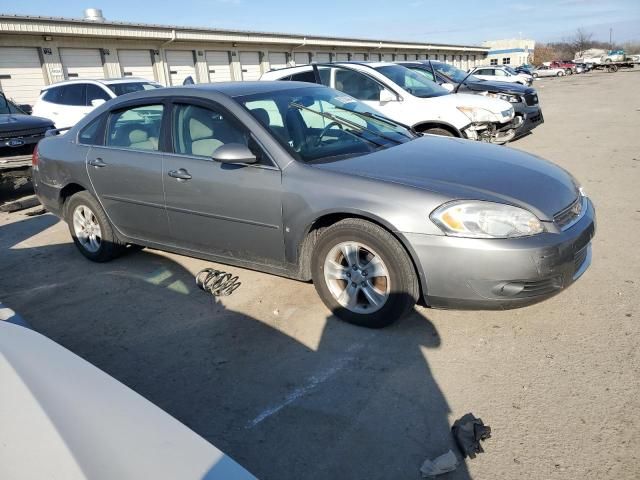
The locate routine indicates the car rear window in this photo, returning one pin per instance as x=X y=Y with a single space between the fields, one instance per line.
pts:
x=130 y=87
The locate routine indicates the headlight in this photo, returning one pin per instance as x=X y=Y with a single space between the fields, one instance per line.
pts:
x=507 y=97
x=478 y=219
x=477 y=115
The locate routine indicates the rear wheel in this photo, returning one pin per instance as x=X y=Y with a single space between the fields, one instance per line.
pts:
x=90 y=228
x=535 y=75
x=363 y=274
x=568 y=71
x=560 y=74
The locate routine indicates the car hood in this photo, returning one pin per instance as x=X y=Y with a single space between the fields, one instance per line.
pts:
x=464 y=169
x=494 y=105
x=501 y=87
x=18 y=121
x=63 y=418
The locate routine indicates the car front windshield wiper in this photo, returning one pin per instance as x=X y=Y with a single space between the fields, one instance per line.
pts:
x=380 y=118
x=354 y=126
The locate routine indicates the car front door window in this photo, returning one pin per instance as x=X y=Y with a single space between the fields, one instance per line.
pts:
x=357 y=85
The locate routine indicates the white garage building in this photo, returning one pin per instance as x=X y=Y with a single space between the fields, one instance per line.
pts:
x=38 y=51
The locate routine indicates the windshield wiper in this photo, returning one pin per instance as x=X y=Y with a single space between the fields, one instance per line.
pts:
x=349 y=123
x=380 y=118
x=342 y=121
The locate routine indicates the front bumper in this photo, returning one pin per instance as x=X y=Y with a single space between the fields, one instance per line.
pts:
x=531 y=117
x=470 y=273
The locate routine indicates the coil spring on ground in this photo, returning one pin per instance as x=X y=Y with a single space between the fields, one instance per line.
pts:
x=217 y=282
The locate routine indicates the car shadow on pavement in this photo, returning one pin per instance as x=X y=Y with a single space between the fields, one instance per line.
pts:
x=362 y=404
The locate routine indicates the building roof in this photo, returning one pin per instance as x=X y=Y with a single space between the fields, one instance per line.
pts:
x=29 y=24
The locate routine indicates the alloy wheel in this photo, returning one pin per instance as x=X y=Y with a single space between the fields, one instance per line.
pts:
x=357 y=277
x=87 y=228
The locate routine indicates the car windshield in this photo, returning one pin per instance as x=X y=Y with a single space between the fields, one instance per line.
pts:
x=130 y=87
x=511 y=70
x=414 y=83
x=7 y=106
x=322 y=124
x=453 y=73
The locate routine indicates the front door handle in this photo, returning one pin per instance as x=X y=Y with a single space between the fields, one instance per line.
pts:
x=97 y=162
x=180 y=174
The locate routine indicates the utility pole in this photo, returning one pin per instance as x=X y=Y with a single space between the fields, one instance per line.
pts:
x=611 y=39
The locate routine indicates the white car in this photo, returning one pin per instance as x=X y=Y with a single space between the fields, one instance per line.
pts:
x=65 y=103
x=502 y=74
x=544 y=71
x=409 y=98
x=63 y=418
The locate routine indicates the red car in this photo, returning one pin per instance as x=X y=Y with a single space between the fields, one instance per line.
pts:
x=568 y=66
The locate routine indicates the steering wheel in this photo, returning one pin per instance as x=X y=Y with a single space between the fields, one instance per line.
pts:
x=324 y=132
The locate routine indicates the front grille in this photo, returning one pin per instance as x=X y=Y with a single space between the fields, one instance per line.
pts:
x=531 y=99
x=535 y=118
x=569 y=215
x=26 y=133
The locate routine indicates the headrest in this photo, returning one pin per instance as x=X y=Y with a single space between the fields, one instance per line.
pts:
x=199 y=130
x=262 y=115
x=138 y=136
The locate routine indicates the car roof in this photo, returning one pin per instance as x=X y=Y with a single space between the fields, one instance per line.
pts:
x=102 y=81
x=309 y=66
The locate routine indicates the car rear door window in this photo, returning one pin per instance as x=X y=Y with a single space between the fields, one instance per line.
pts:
x=137 y=128
x=74 y=95
x=309 y=77
x=94 y=92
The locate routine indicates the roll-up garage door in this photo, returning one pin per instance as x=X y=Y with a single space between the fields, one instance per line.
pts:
x=301 y=58
x=250 y=64
x=422 y=56
x=136 y=63
x=323 y=57
x=219 y=66
x=277 y=60
x=342 y=57
x=21 y=77
x=358 y=57
x=387 y=57
x=81 y=63
x=181 y=65
x=374 y=57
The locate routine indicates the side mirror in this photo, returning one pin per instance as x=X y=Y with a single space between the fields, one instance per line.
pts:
x=387 y=96
x=26 y=108
x=447 y=86
x=234 y=153
x=96 y=102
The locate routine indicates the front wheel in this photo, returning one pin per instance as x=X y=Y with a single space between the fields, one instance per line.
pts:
x=439 y=131
x=90 y=228
x=560 y=74
x=568 y=71
x=535 y=75
x=363 y=274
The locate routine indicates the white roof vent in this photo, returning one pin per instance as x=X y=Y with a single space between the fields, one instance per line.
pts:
x=93 y=15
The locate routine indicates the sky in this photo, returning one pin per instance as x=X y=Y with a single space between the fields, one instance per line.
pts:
x=467 y=22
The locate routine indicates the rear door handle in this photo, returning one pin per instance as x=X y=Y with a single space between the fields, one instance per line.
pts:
x=97 y=162
x=180 y=174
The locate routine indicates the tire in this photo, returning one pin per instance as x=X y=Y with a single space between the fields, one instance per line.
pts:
x=439 y=131
x=84 y=213
x=535 y=75
x=396 y=289
x=568 y=71
x=560 y=74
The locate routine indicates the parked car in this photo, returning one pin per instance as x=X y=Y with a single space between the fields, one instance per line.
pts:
x=582 y=68
x=67 y=102
x=501 y=74
x=64 y=418
x=19 y=134
x=544 y=71
x=614 y=56
x=523 y=99
x=409 y=98
x=567 y=65
x=306 y=182
x=526 y=68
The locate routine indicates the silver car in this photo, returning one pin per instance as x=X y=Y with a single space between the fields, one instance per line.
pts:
x=303 y=181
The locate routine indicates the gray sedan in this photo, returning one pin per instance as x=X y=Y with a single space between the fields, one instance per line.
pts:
x=303 y=181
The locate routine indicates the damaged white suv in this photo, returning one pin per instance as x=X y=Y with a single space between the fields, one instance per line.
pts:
x=410 y=98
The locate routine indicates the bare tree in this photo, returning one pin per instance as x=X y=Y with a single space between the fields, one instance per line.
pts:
x=582 y=40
